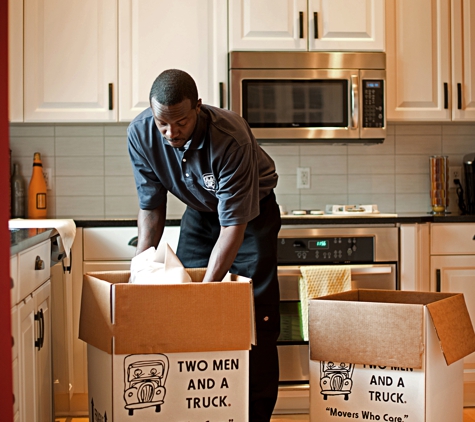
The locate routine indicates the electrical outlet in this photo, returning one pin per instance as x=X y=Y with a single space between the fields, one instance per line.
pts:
x=303 y=177
x=454 y=173
x=48 y=178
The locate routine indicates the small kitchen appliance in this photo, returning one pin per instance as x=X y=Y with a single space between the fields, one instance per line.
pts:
x=469 y=174
x=330 y=97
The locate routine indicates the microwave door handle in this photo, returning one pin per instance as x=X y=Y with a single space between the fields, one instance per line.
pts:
x=354 y=102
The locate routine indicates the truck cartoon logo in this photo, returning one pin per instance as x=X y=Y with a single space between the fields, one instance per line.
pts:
x=145 y=382
x=336 y=380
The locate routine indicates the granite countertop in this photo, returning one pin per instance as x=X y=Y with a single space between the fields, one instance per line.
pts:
x=406 y=218
x=21 y=239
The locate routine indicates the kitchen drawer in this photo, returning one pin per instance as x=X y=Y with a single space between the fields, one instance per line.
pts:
x=112 y=243
x=14 y=280
x=452 y=239
x=29 y=277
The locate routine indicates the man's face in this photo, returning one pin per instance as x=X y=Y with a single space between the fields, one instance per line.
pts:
x=177 y=122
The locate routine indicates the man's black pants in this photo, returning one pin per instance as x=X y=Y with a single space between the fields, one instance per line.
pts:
x=256 y=259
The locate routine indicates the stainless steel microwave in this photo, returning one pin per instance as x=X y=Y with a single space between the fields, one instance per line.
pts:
x=332 y=97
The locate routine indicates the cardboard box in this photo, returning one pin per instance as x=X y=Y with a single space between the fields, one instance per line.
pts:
x=169 y=352
x=388 y=356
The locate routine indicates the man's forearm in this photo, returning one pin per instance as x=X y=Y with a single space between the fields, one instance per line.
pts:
x=150 y=224
x=224 y=252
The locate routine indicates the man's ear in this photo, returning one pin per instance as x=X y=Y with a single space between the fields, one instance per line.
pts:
x=198 y=105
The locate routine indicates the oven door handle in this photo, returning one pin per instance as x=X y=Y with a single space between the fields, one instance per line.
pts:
x=370 y=270
x=355 y=270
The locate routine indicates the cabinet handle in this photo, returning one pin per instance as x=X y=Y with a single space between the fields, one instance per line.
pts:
x=446 y=95
x=438 y=280
x=111 y=91
x=39 y=264
x=315 y=23
x=459 y=96
x=221 y=94
x=41 y=321
x=301 y=24
x=70 y=266
x=133 y=241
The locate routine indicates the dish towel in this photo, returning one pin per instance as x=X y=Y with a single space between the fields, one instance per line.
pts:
x=320 y=280
x=66 y=228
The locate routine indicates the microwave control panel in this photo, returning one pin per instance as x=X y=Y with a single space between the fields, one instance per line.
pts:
x=373 y=103
x=319 y=250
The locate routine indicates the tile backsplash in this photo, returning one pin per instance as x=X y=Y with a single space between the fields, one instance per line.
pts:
x=92 y=176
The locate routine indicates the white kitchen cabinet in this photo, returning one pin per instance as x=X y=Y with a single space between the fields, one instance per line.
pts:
x=89 y=61
x=301 y=25
x=414 y=260
x=430 y=57
x=31 y=319
x=155 y=35
x=452 y=269
x=15 y=60
x=70 y=61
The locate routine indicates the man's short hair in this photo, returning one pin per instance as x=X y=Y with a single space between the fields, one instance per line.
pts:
x=173 y=86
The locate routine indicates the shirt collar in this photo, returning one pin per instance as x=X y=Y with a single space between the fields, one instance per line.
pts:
x=199 y=134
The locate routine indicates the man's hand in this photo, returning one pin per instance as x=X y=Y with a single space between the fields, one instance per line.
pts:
x=224 y=252
x=150 y=225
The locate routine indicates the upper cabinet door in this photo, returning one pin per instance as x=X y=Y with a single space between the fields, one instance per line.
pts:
x=271 y=25
x=463 y=61
x=15 y=60
x=301 y=25
x=155 y=35
x=346 y=25
x=418 y=60
x=70 y=60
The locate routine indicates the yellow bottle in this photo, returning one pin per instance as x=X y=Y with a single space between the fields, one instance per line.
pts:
x=37 y=190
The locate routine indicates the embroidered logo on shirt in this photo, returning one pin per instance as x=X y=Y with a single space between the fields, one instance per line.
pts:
x=210 y=182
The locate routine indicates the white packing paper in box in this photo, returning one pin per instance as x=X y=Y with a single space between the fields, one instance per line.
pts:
x=158 y=266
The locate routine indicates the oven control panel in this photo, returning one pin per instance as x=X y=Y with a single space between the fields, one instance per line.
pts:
x=321 y=250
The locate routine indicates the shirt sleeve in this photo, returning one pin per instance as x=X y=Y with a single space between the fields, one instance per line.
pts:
x=151 y=192
x=238 y=187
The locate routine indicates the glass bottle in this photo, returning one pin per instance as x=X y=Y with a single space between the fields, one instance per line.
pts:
x=18 y=192
x=37 y=190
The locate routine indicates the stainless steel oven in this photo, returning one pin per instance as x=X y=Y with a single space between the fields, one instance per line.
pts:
x=310 y=96
x=372 y=252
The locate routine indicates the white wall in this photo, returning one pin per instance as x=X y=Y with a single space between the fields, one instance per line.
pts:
x=92 y=176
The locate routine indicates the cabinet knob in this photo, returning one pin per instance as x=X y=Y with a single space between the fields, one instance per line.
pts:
x=39 y=264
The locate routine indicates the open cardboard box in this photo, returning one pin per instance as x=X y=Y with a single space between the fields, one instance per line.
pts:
x=167 y=352
x=388 y=355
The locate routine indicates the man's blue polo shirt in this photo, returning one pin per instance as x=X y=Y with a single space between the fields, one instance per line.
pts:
x=223 y=169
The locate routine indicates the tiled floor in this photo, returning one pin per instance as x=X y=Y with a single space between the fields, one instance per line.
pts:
x=468 y=416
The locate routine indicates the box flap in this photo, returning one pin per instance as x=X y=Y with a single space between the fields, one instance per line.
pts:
x=172 y=318
x=344 y=328
x=95 y=323
x=453 y=326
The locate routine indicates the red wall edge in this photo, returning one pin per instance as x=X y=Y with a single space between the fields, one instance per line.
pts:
x=6 y=406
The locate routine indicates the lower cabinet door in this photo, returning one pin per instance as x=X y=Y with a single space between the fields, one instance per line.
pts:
x=27 y=361
x=34 y=356
x=456 y=274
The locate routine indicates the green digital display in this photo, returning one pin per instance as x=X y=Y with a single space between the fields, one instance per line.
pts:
x=319 y=244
